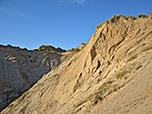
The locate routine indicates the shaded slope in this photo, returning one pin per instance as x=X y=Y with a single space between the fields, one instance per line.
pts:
x=101 y=78
x=20 y=69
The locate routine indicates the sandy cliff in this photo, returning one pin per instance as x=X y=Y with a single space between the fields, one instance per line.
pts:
x=111 y=75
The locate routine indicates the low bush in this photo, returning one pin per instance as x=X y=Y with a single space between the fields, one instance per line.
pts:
x=105 y=86
x=147 y=48
x=132 y=57
x=53 y=68
x=131 y=17
x=74 y=50
x=141 y=15
x=100 y=25
x=139 y=66
x=121 y=16
x=113 y=18
x=77 y=50
x=49 y=48
x=80 y=103
x=121 y=74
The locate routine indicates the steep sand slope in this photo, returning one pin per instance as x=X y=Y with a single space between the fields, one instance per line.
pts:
x=111 y=75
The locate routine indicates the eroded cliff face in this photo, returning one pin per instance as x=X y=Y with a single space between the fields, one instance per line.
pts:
x=112 y=74
x=20 y=69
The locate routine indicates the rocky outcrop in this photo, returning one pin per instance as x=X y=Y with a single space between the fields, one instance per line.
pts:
x=20 y=69
x=111 y=75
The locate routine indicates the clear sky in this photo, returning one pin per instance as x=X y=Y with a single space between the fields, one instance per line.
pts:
x=63 y=23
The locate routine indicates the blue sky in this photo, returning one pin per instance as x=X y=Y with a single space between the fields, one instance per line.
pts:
x=60 y=23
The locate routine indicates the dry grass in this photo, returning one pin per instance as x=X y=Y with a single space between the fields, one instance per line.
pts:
x=138 y=66
x=97 y=95
x=132 y=58
x=147 y=48
x=121 y=74
x=80 y=103
x=105 y=86
x=102 y=90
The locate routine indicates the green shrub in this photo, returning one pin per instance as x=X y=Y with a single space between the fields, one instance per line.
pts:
x=105 y=86
x=141 y=15
x=121 y=74
x=58 y=49
x=110 y=82
x=147 y=48
x=131 y=17
x=83 y=101
x=53 y=68
x=100 y=25
x=132 y=57
x=123 y=16
x=139 y=66
x=49 y=48
x=113 y=18
x=80 y=103
x=143 y=44
x=72 y=49
x=102 y=89
x=77 y=50
x=97 y=95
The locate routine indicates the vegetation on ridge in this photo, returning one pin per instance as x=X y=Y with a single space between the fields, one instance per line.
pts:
x=115 y=17
x=51 y=49
x=74 y=50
